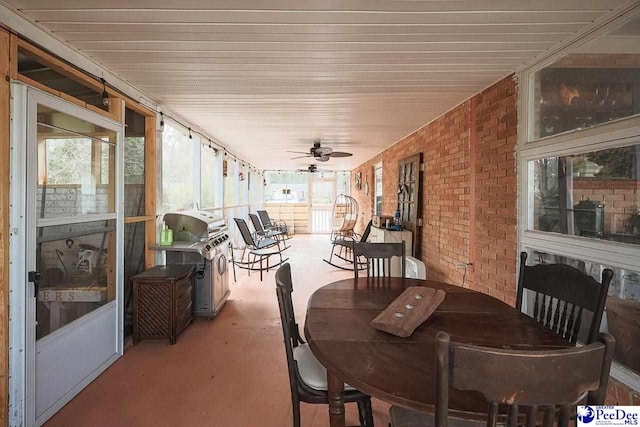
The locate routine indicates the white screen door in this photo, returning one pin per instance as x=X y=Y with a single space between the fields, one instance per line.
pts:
x=323 y=195
x=73 y=251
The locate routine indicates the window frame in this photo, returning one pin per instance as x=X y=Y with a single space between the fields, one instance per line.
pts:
x=150 y=183
x=619 y=133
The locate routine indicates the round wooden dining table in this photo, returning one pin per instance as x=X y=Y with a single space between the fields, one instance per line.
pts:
x=402 y=370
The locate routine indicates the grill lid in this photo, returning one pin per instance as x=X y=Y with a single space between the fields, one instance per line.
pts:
x=200 y=224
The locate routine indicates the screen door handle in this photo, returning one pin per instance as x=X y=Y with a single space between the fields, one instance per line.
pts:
x=34 y=277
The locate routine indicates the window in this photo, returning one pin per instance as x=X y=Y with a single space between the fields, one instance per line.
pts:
x=76 y=166
x=210 y=178
x=231 y=184
x=256 y=189
x=593 y=194
x=377 y=189
x=134 y=158
x=580 y=169
x=343 y=182
x=620 y=317
x=243 y=184
x=39 y=71
x=595 y=84
x=177 y=170
x=286 y=187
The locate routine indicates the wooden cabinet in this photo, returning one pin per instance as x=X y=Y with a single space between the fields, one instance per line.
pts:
x=382 y=235
x=162 y=302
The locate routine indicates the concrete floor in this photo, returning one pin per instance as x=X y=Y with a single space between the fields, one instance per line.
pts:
x=230 y=371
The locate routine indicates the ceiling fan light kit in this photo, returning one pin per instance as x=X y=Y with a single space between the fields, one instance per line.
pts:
x=319 y=153
x=313 y=169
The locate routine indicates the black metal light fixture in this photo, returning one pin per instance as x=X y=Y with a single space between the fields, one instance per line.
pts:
x=105 y=95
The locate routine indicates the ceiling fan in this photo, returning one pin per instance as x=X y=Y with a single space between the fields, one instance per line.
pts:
x=312 y=169
x=319 y=153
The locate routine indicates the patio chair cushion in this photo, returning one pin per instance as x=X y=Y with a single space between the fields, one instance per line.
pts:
x=403 y=417
x=311 y=371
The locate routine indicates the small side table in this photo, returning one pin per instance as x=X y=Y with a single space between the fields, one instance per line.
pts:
x=162 y=302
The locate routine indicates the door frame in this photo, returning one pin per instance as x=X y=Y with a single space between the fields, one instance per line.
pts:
x=22 y=350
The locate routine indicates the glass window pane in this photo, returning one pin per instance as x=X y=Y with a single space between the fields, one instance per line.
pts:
x=177 y=170
x=243 y=185
x=231 y=197
x=77 y=263
x=595 y=84
x=209 y=177
x=342 y=184
x=378 y=190
x=256 y=189
x=622 y=307
x=76 y=166
x=134 y=158
x=322 y=192
x=286 y=187
x=594 y=195
x=31 y=67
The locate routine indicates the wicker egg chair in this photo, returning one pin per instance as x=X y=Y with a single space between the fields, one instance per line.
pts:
x=344 y=219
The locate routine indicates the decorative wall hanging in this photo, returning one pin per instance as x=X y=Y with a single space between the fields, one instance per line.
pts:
x=359 y=181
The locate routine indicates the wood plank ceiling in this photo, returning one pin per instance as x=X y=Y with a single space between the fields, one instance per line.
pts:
x=264 y=77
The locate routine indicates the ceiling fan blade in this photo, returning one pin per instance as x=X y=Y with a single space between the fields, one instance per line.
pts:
x=298 y=152
x=300 y=157
x=340 y=154
x=322 y=159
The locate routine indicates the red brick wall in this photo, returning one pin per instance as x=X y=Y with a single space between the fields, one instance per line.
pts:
x=620 y=394
x=450 y=176
x=445 y=192
x=496 y=191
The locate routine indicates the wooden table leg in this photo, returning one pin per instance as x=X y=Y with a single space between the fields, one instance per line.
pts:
x=335 y=389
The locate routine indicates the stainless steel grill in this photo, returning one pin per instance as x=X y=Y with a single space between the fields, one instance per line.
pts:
x=200 y=238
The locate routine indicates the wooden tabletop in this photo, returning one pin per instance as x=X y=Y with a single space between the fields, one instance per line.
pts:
x=402 y=370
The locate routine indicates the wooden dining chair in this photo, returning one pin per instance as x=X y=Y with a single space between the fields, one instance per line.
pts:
x=517 y=385
x=377 y=258
x=307 y=376
x=561 y=294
